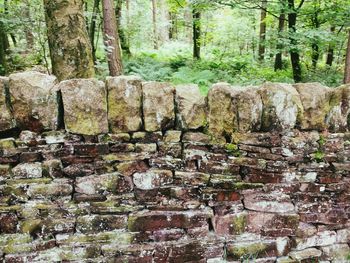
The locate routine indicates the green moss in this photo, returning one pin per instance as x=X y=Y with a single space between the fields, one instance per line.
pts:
x=232 y=149
x=247 y=251
x=7 y=143
x=318 y=156
x=322 y=141
x=244 y=186
x=239 y=224
x=14 y=182
x=262 y=163
x=30 y=226
x=12 y=208
x=115 y=237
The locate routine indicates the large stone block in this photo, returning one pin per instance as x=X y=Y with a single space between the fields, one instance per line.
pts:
x=272 y=224
x=315 y=99
x=28 y=170
x=85 y=106
x=124 y=103
x=155 y=220
x=324 y=238
x=152 y=179
x=158 y=106
x=282 y=106
x=221 y=112
x=103 y=184
x=34 y=100
x=100 y=223
x=191 y=107
x=6 y=118
x=268 y=202
x=248 y=105
x=338 y=116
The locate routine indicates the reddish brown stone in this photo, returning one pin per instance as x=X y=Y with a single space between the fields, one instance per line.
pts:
x=219 y=195
x=78 y=170
x=30 y=157
x=154 y=220
x=90 y=149
x=8 y=223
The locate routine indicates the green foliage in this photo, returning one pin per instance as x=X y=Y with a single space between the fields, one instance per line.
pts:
x=233 y=149
x=230 y=38
x=318 y=156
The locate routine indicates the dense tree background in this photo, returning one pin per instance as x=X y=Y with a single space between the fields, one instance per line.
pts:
x=198 y=41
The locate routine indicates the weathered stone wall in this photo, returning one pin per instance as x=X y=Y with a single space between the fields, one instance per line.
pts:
x=126 y=171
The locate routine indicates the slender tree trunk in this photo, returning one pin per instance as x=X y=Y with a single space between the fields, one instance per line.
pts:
x=315 y=55
x=278 y=58
x=123 y=41
x=347 y=63
x=330 y=52
x=172 y=27
x=127 y=5
x=164 y=21
x=111 y=38
x=196 y=33
x=5 y=39
x=69 y=44
x=28 y=29
x=3 y=67
x=154 y=21
x=294 y=53
x=262 y=34
x=95 y=11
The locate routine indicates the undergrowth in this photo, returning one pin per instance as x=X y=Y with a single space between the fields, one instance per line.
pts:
x=181 y=68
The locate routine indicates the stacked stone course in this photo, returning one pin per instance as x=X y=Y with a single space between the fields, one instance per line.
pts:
x=126 y=171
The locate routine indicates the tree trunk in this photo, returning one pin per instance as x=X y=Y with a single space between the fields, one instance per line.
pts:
x=69 y=44
x=127 y=5
x=123 y=41
x=6 y=43
x=154 y=20
x=279 y=47
x=330 y=52
x=262 y=34
x=347 y=63
x=95 y=11
x=315 y=55
x=164 y=21
x=3 y=67
x=294 y=54
x=172 y=26
x=196 y=33
x=28 y=29
x=111 y=38
x=13 y=37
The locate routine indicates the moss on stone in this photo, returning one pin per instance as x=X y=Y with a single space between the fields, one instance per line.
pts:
x=232 y=149
x=7 y=144
x=30 y=226
x=244 y=185
x=13 y=182
x=12 y=208
x=248 y=250
x=239 y=224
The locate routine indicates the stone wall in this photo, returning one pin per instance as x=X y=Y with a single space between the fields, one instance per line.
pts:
x=126 y=171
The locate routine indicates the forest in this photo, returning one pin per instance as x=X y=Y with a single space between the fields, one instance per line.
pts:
x=242 y=42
